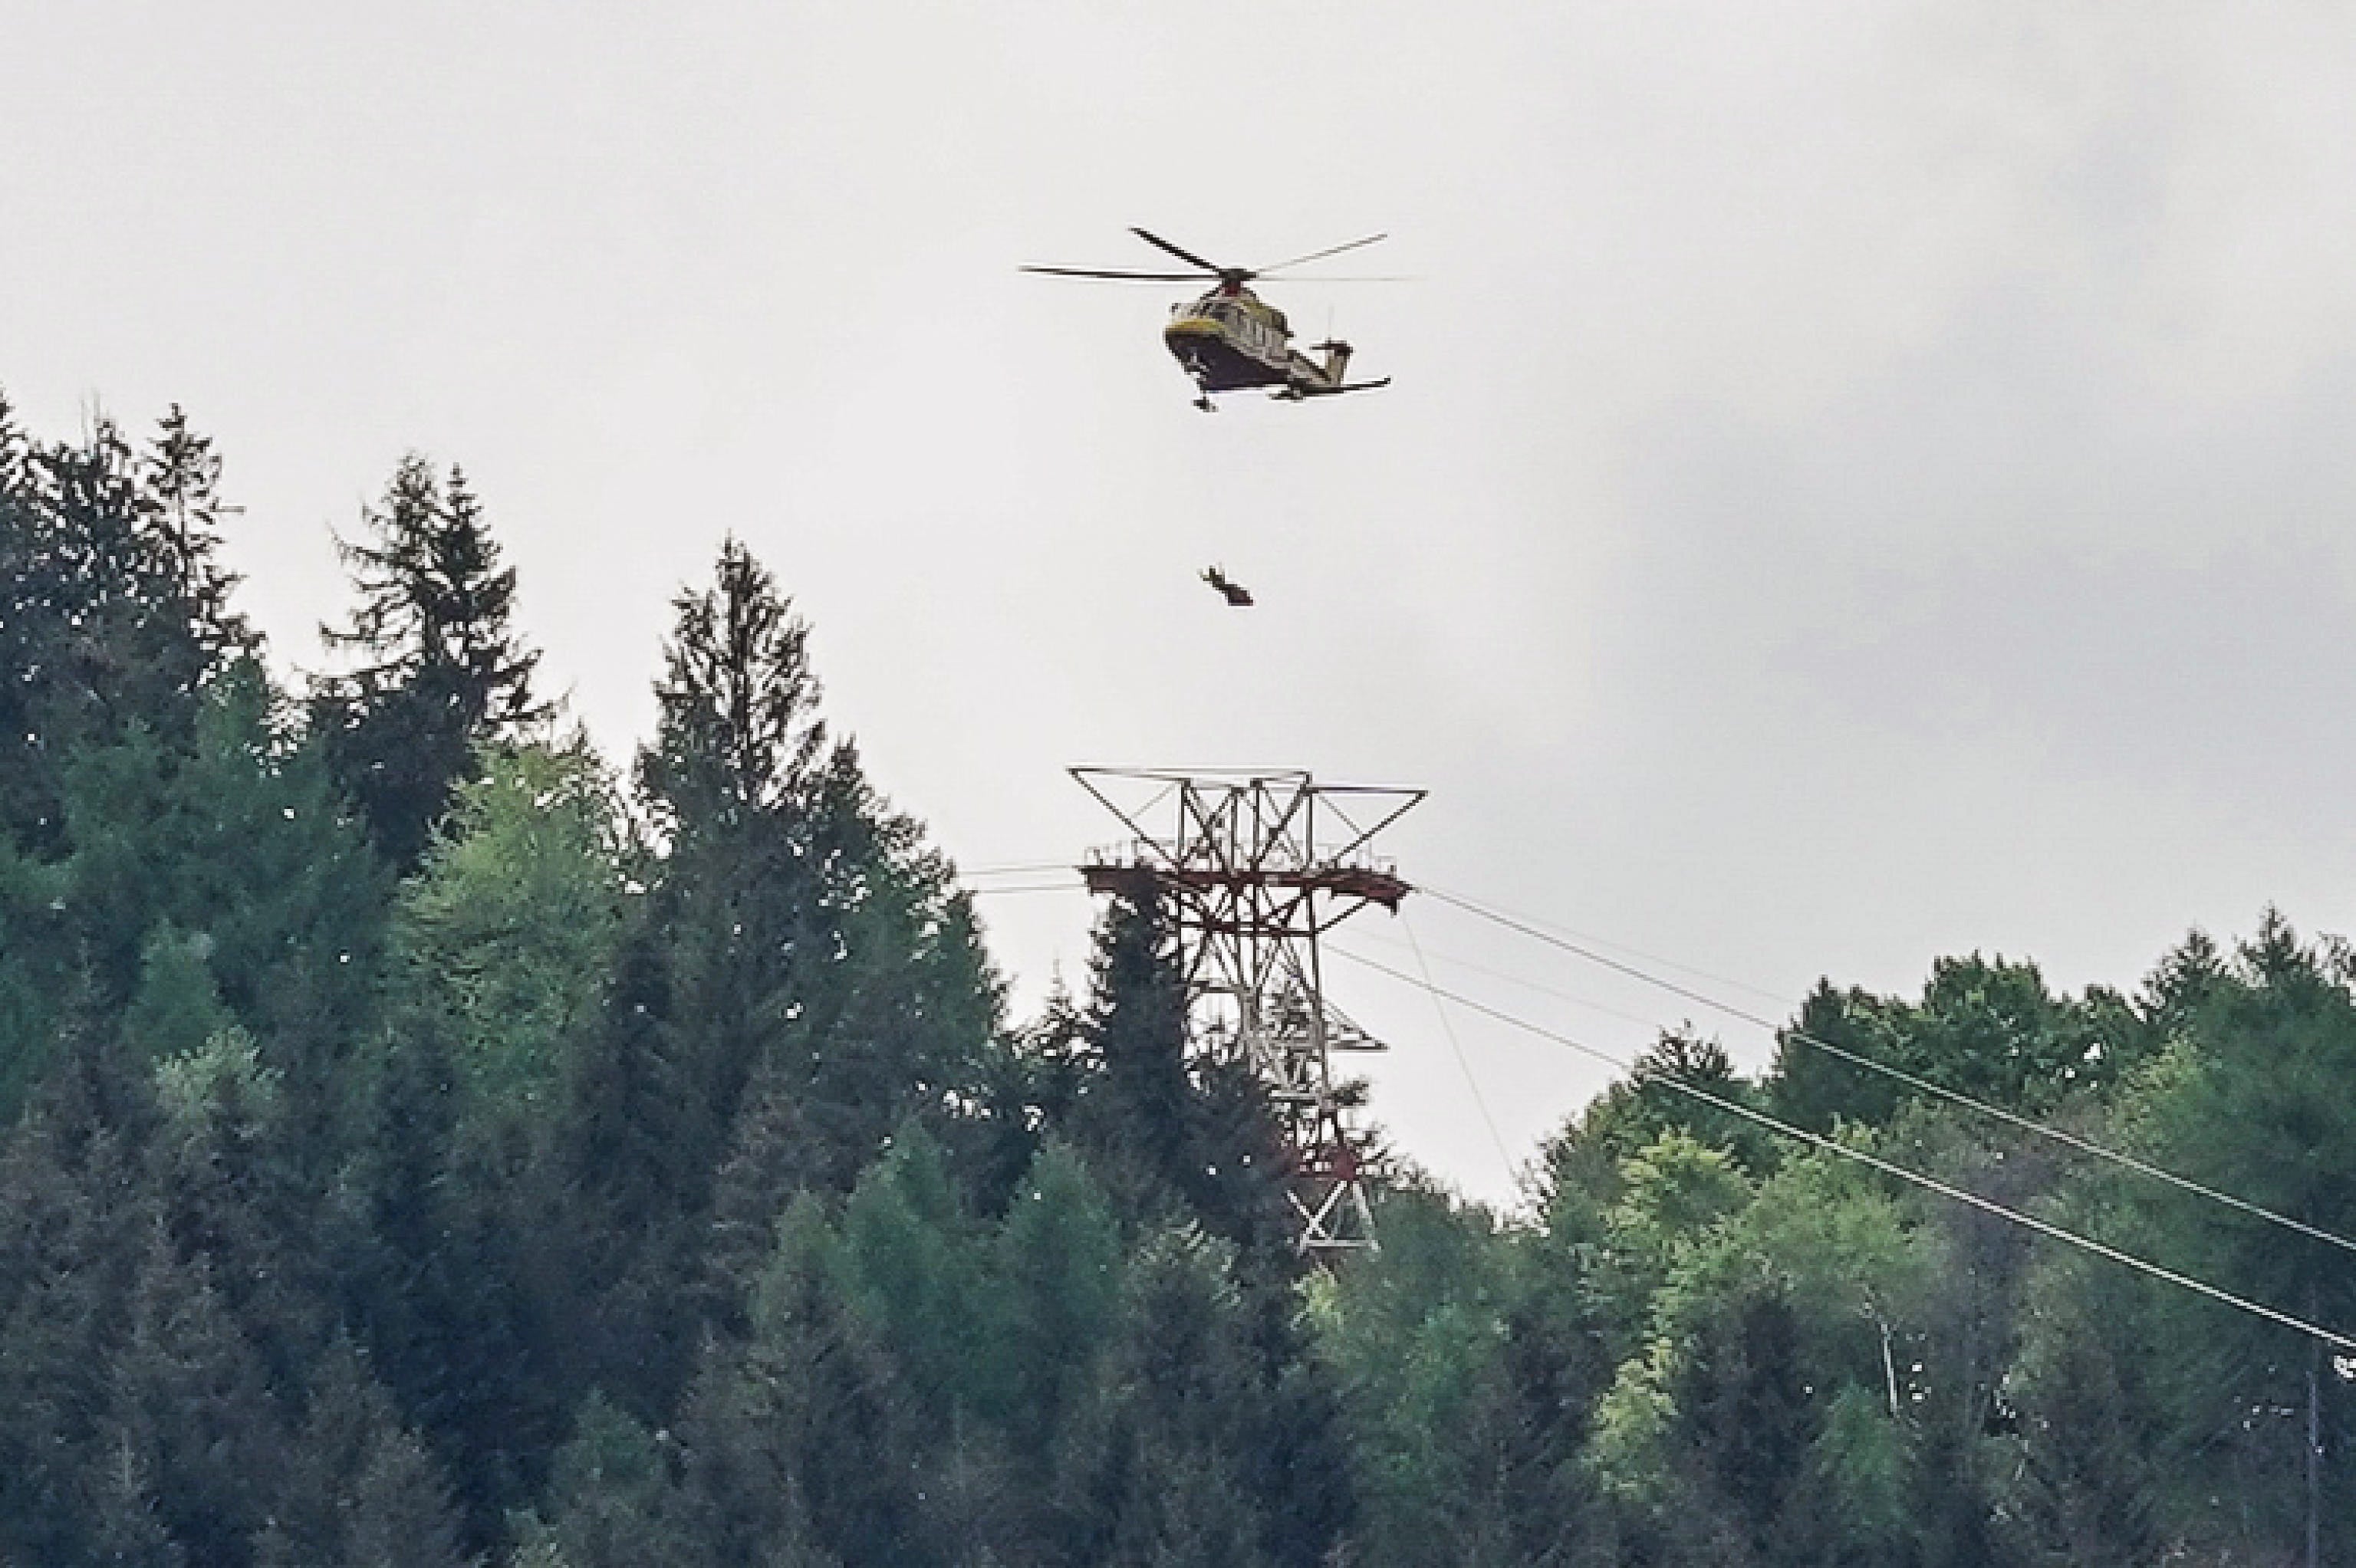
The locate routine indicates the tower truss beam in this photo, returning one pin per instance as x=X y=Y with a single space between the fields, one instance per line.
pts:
x=1253 y=869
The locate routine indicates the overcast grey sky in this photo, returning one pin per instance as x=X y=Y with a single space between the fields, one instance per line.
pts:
x=1864 y=482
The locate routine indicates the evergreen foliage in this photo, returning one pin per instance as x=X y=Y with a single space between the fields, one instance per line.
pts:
x=114 y=610
x=440 y=666
x=602 y=1171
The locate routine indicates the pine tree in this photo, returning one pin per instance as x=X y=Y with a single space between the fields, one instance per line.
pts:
x=441 y=667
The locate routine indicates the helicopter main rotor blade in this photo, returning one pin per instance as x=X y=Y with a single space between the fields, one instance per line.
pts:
x=1320 y=255
x=1159 y=243
x=1124 y=277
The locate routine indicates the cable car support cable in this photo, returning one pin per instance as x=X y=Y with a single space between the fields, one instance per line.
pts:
x=2047 y=1228
x=2011 y=1119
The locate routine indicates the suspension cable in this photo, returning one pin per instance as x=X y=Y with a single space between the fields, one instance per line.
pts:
x=1889 y=1167
x=1463 y=1063
x=1914 y=1080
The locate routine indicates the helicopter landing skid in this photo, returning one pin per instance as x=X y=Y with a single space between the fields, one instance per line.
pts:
x=1297 y=393
x=1304 y=394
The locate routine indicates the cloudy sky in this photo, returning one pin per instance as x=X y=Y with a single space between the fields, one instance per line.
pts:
x=1863 y=482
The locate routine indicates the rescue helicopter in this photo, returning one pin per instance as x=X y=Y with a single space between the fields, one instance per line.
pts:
x=1230 y=339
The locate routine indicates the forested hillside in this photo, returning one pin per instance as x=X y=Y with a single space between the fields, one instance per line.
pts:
x=429 y=1143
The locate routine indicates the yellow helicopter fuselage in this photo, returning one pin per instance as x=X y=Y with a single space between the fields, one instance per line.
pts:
x=1230 y=339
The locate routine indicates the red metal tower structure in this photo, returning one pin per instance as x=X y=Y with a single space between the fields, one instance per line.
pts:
x=1252 y=868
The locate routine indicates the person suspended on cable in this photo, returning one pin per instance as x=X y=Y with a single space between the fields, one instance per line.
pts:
x=1236 y=593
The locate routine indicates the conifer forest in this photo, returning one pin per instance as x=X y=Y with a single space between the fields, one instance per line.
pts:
x=427 y=1141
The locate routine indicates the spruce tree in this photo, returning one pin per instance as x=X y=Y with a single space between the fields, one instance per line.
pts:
x=401 y=1515
x=738 y=731
x=192 y=1402
x=1173 y=1138
x=113 y=612
x=215 y=875
x=1058 y=1254
x=615 y=1498
x=233 y=1195
x=731 y=932
x=1168 y=1468
x=797 y=1441
x=440 y=666
x=184 y=475
x=2252 y=1101
x=361 y=1491
x=76 y=1213
x=800 y=961
x=627 y=1188
x=1130 y=1116
x=434 y=1277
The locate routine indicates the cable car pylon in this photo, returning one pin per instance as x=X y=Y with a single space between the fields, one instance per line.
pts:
x=1252 y=869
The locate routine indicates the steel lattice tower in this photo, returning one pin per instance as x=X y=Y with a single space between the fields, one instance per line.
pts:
x=1252 y=869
